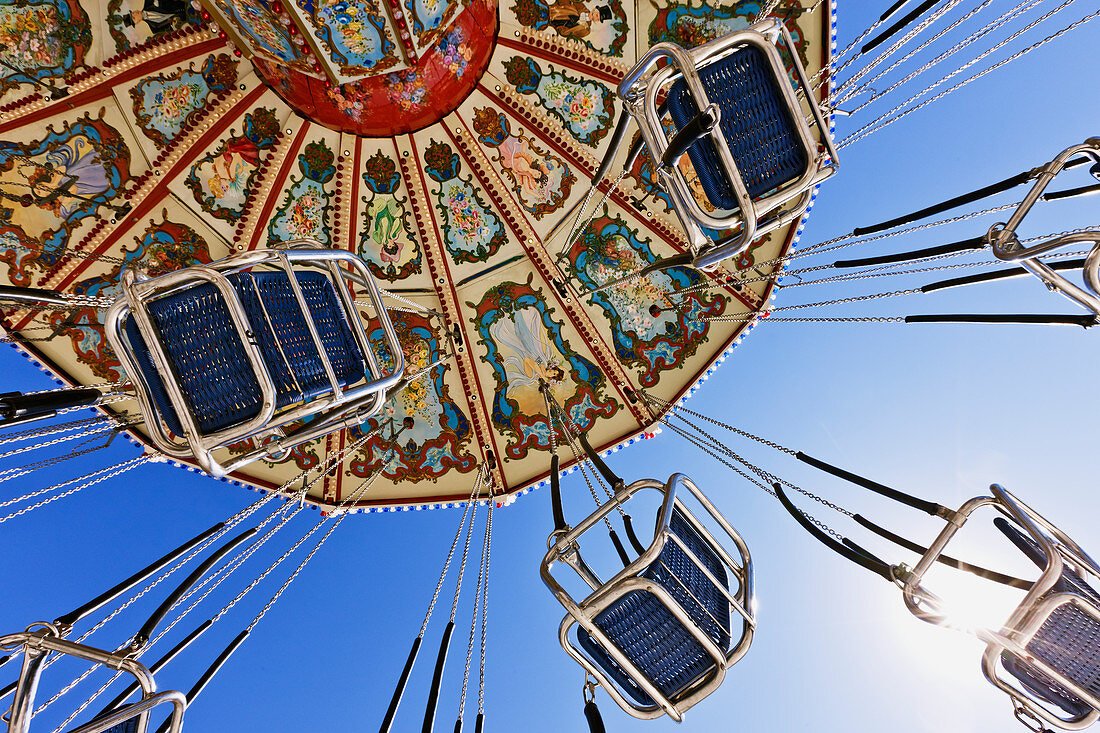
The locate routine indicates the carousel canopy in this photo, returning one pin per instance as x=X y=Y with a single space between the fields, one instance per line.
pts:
x=449 y=145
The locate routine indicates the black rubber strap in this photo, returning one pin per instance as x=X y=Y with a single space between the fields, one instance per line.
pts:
x=899 y=25
x=104 y=598
x=606 y=472
x=15 y=405
x=155 y=667
x=1084 y=321
x=1071 y=193
x=686 y=136
x=891 y=10
x=458 y=726
x=966 y=198
x=964 y=245
x=631 y=536
x=208 y=675
x=150 y=626
x=437 y=679
x=949 y=561
x=391 y=711
x=555 y=493
x=929 y=507
x=480 y=724
x=681 y=260
x=859 y=557
x=595 y=722
x=619 y=547
x=1004 y=274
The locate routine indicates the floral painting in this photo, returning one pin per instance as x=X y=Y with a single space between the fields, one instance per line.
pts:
x=387 y=243
x=540 y=180
x=164 y=103
x=354 y=33
x=583 y=107
x=220 y=180
x=524 y=346
x=471 y=231
x=305 y=207
x=429 y=16
x=43 y=39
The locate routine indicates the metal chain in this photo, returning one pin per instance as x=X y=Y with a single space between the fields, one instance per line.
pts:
x=87 y=432
x=882 y=122
x=41 y=432
x=451 y=552
x=353 y=496
x=473 y=632
x=669 y=406
x=16 y=472
x=1002 y=20
x=120 y=469
x=485 y=607
x=574 y=231
x=753 y=480
x=462 y=563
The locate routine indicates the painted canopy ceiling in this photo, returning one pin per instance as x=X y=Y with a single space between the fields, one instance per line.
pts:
x=443 y=142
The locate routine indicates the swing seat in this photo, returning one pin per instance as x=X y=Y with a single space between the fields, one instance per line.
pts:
x=633 y=621
x=1046 y=657
x=658 y=636
x=1007 y=247
x=244 y=347
x=756 y=166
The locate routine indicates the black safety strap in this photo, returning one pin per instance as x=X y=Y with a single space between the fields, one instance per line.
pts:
x=592 y=713
x=966 y=198
x=1008 y=272
x=1084 y=321
x=949 y=561
x=928 y=507
x=964 y=245
x=897 y=26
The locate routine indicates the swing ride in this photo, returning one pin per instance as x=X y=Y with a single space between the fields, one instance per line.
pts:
x=367 y=257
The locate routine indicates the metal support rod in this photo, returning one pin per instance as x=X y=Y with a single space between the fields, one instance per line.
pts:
x=99 y=601
x=387 y=722
x=437 y=679
x=146 y=632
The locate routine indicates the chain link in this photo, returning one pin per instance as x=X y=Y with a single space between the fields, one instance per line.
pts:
x=451 y=552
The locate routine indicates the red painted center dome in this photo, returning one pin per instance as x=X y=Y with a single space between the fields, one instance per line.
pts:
x=372 y=68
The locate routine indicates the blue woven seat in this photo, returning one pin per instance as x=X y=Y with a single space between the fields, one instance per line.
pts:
x=650 y=636
x=1068 y=641
x=756 y=124
x=208 y=358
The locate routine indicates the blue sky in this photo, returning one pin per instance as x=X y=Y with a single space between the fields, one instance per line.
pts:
x=941 y=411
